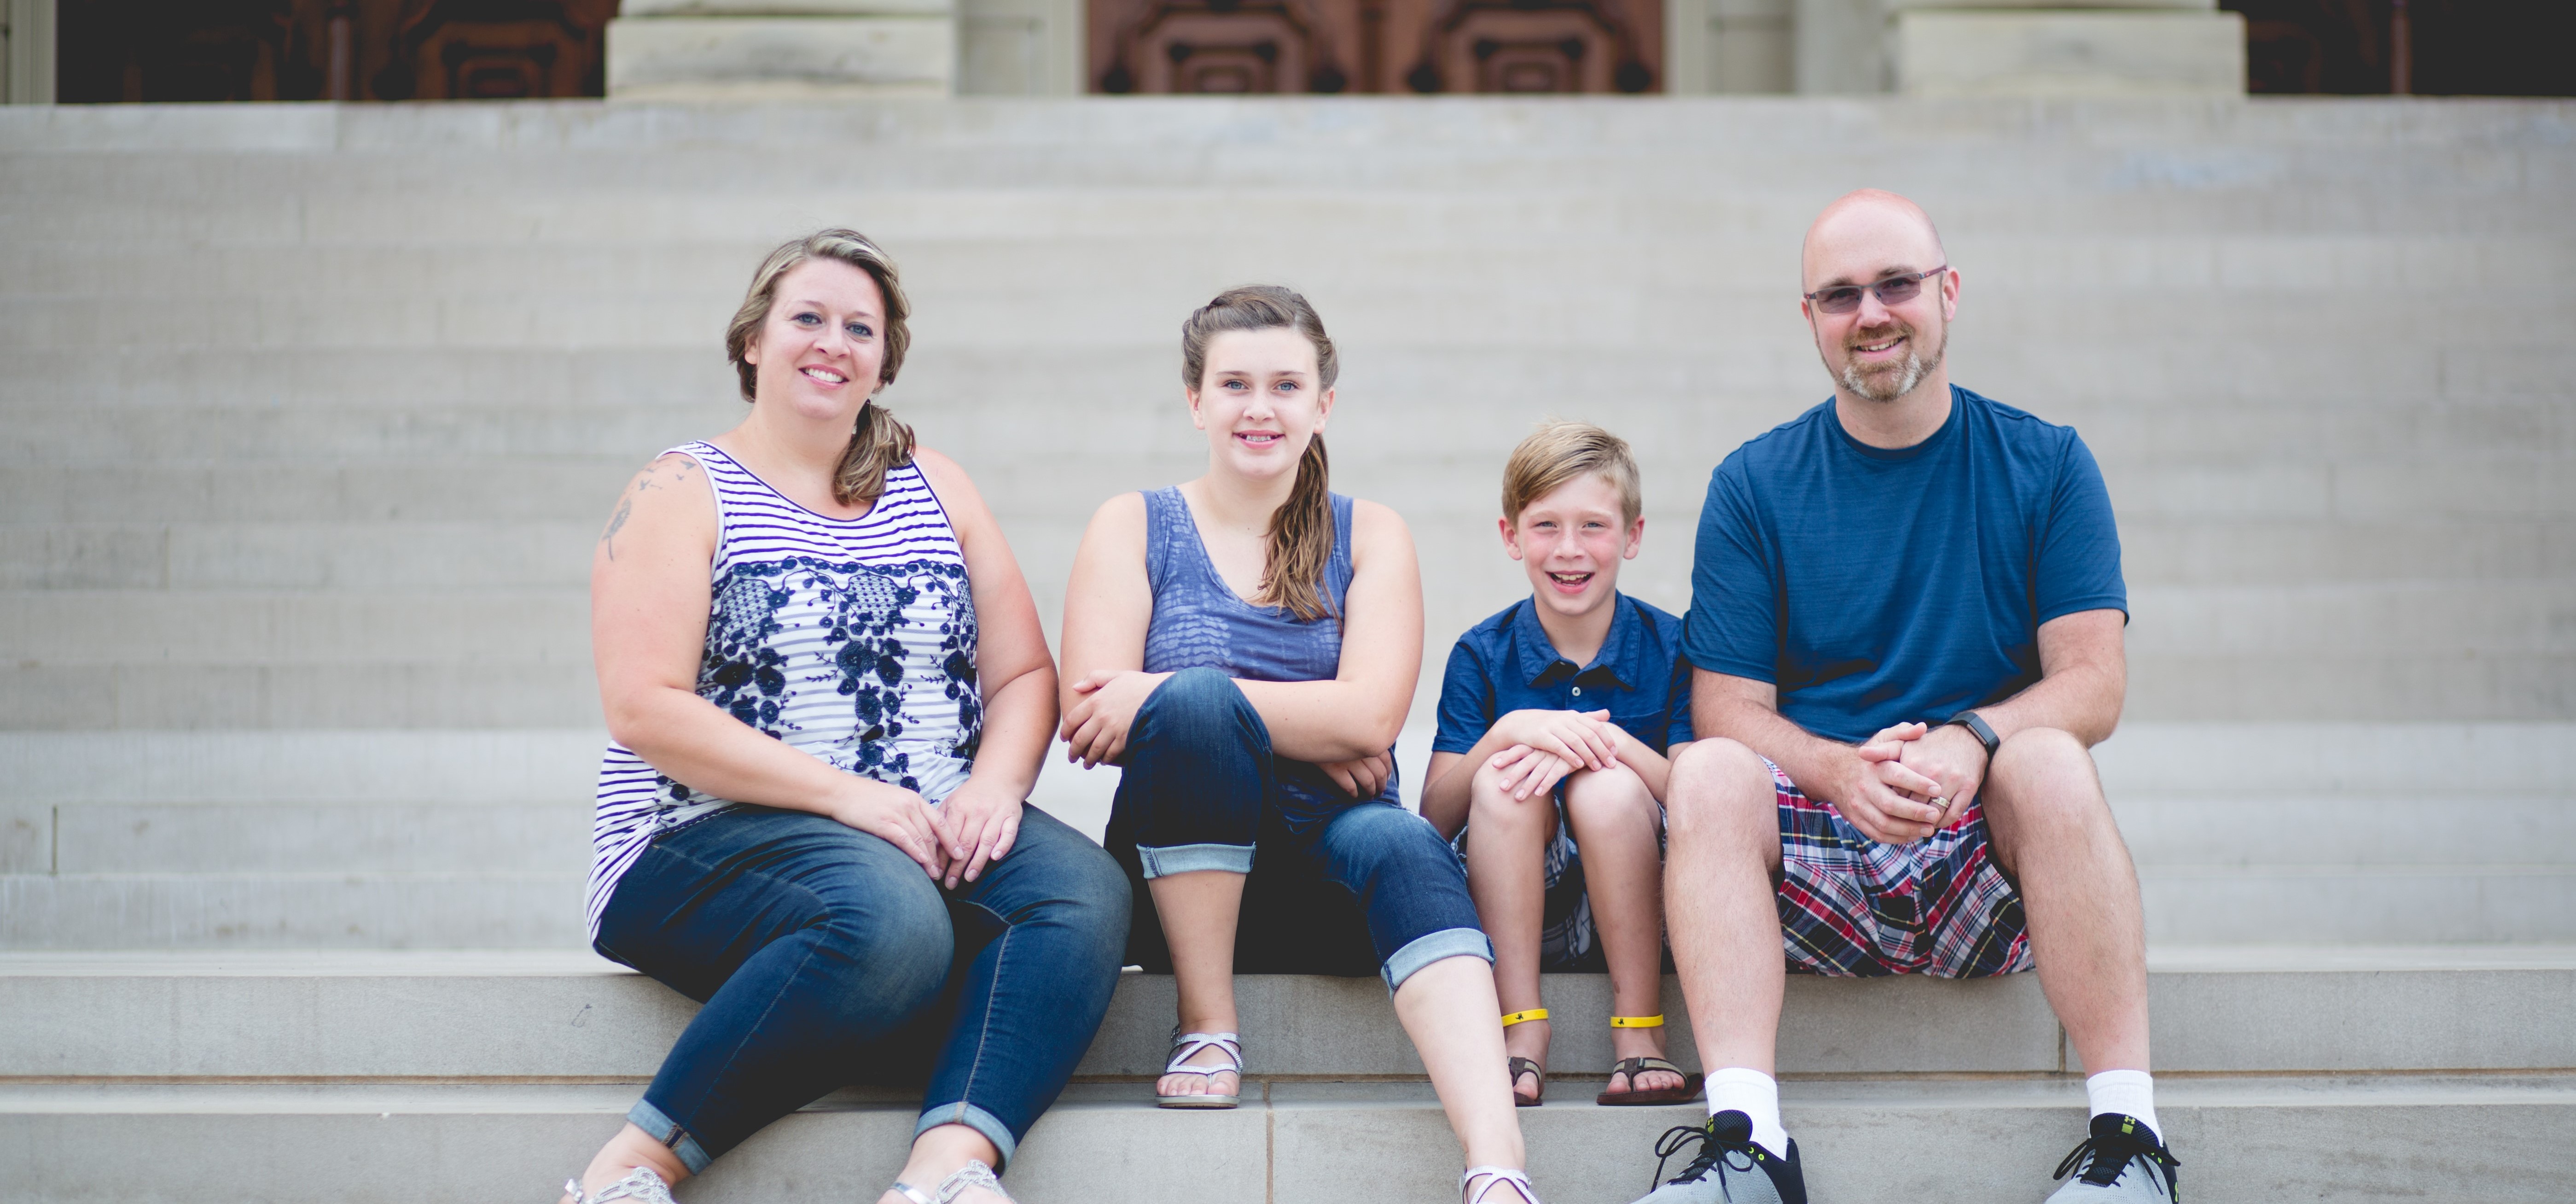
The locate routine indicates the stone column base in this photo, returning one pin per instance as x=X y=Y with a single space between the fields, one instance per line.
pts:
x=717 y=50
x=2069 y=53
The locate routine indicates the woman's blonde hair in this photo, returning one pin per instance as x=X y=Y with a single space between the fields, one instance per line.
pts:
x=1301 y=530
x=878 y=442
x=1558 y=452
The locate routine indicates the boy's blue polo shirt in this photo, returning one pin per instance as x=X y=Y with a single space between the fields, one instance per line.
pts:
x=1876 y=587
x=1506 y=664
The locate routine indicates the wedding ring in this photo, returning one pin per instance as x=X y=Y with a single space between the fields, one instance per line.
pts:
x=1941 y=805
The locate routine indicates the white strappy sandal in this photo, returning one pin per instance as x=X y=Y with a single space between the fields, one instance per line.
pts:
x=973 y=1174
x=1188 y=1045
x=640 y=1185
x=1494 y=1176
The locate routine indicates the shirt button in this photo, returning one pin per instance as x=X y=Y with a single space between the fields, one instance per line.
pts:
x=1578 y=691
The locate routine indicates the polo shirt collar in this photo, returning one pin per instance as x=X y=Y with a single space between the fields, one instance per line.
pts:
x=1542 y=667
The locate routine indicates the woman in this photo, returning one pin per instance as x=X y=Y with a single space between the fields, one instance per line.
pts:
x=1246 y=645
x=830 y=694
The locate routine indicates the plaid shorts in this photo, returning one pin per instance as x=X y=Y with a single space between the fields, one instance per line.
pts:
x=1851 y=907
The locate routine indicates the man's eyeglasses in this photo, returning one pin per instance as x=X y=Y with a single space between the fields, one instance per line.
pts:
x=1892 y=292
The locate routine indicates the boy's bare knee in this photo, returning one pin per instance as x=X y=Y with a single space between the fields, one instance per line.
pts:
x=1489 y=804
x=1613 y=789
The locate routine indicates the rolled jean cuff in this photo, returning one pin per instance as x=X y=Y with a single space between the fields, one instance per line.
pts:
x=963 y=1113
x=660 y=1127
x=1438 y=946
x=1185 y=858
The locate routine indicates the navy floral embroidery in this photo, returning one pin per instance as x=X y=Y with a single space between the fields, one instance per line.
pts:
x=874 y=622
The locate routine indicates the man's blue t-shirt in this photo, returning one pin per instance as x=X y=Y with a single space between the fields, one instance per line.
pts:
x=1877 y=587
x=1506 y=664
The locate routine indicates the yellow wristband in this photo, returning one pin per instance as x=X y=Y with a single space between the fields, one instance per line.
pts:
x=1637 y=1021
x=1512 y=1018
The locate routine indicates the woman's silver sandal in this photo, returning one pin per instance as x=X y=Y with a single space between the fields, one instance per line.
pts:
x=640 y=1185
x=1188 y=1045
x=973 y=1174
x=1495 y=1176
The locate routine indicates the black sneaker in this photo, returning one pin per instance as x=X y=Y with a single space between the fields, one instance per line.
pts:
x=2121 y=1163
x=1729 y=1168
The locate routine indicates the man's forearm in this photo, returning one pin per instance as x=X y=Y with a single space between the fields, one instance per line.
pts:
x=1804 y=757
x=2080 y=700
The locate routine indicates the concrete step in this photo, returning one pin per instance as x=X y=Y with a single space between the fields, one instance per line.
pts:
x=2195 y=839
x=52 y=627
x=437 y=555
x=312 y=1015
x=2486 y=1138
x=249 y=839
x=262 y=907
x=395 y=695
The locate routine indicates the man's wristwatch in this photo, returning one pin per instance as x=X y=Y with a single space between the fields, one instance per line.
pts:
x=1977 y=727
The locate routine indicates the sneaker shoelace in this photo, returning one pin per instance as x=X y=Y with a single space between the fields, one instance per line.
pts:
x=1713 y=1151
x=2099 y=1161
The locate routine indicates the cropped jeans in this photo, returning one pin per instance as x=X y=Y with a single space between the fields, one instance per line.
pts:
x=1337 y=886
x=826 y=957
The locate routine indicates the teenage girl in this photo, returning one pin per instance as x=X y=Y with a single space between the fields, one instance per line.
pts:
x=1245 y=644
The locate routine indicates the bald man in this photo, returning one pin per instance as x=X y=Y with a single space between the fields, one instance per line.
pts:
x=1904 y=634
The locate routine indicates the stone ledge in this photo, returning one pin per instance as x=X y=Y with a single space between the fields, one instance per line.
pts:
x=2246 y=1140
x=781 y=58
x=497 y=1015
x=2069 y=53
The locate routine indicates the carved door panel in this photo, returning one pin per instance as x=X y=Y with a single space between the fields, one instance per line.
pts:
x=1420 y=46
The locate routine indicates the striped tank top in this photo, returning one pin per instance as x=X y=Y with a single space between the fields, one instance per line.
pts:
x=851 y=639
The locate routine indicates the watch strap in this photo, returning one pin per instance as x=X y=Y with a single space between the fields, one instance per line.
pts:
x=1977 y=727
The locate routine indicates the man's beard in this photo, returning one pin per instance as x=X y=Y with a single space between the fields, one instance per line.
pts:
x=1885 y=386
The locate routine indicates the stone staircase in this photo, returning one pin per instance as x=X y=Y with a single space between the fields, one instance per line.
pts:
x=308 y=417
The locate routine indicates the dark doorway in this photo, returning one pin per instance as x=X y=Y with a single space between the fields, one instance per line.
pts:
x=2449 y=47
x=213 y=50
x=1402 y=46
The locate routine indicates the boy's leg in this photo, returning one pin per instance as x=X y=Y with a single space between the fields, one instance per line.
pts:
x=1616 y=823
x=1506 y=843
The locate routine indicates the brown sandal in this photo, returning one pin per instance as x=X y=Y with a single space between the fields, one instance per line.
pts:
x=1634 y=1098
x=1527 y=1066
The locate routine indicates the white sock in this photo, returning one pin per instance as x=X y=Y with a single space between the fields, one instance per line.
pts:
x=2127 y=1093
x=1755 y=1094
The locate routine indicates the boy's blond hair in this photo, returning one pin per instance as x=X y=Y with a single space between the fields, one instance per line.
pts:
x=1558 y=452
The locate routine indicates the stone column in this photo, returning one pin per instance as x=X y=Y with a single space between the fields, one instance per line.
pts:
x=2020 y=47
x=771 y=49
x=27 y=51
x=1729 y=46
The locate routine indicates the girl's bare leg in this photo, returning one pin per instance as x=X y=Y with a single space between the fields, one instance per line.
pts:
x=1199 y=910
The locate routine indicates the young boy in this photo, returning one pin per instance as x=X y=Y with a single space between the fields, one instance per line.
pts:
x=1555 y=720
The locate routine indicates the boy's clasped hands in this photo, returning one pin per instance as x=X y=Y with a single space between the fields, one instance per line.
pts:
x=1546 y=746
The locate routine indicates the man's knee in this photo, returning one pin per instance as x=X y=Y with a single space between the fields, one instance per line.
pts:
x=2042 y=772
x=1720 y=787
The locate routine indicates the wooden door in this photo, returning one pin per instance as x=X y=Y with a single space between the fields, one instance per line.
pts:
x=1416 y=46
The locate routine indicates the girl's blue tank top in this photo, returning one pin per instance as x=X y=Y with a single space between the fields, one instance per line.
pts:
x=1200 y=621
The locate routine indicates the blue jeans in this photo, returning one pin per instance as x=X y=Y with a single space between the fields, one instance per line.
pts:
x=826 y=957
x=1338 y=886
